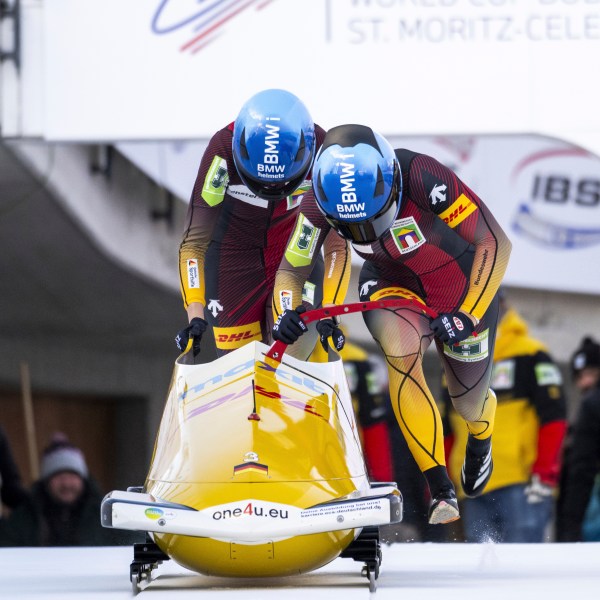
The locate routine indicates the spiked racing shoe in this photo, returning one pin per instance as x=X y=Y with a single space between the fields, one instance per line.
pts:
x=478 y=466
x=444 y=508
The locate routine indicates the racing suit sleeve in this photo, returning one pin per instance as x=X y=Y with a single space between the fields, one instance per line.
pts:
x=338 y=266
x=492 y=250
x=464 y=212
x=203 y=212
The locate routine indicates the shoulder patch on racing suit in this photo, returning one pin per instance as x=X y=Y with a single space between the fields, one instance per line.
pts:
x=216 y=181
x=301 y=248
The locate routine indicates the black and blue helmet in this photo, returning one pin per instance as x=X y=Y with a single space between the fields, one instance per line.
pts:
x=357 y=182
x=273 y=143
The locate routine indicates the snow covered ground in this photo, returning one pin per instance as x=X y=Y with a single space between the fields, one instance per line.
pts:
x=408 y=572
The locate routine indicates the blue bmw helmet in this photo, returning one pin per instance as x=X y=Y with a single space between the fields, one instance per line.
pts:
x=273 y=143
x=357 y=182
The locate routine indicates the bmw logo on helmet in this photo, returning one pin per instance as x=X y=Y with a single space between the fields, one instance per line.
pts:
x=357 y=182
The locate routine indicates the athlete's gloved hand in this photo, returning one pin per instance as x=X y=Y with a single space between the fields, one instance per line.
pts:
x=537 y=491
x=194 y=330
x=289 y=326
x=452 y=328
x=328 y=328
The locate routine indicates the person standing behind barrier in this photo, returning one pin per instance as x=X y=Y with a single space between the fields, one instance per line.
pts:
x=251 y=179
x=64 y=506
x=580 y=486
x=425 y=236
x=517 y=504
x=12 y=491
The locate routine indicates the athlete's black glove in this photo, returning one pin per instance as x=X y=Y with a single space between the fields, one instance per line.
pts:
x=289 y=326
x=194 y=330
x=328 y=328
x=452 y=328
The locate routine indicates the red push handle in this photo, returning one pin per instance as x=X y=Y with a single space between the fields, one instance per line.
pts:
x=278 y=348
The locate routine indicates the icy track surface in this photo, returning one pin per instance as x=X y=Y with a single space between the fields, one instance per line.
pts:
x=408 y=572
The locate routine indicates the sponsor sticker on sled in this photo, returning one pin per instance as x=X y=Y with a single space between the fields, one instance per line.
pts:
x=252 y=509
x=153 y=513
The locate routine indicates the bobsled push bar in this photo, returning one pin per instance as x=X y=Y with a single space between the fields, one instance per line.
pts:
x=278 y=348
x=250 y=520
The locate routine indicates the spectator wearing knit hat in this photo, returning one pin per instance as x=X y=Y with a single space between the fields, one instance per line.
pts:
x=582 y=460
x=64 y=508
x=585 y=365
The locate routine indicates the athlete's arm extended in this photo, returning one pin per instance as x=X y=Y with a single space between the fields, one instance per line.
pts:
x=492 y=250
x=203 y=212
x=464 y=212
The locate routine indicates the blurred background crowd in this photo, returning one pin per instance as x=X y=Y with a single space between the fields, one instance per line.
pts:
x=98 y=154
x=545 y=486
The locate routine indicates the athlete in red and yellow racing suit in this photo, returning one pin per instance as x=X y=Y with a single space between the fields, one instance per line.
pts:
x=446 y=250
x=232 y=245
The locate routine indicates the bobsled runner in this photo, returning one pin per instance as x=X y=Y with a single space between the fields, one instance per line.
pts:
x=258 y=469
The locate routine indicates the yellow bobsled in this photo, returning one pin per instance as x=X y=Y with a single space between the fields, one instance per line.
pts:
x=257 y=470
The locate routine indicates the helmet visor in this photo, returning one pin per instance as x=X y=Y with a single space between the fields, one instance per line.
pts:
x=370 y=230
x=366 y=232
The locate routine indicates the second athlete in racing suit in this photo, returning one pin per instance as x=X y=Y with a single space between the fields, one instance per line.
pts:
x=426 y=236
x=239 y=219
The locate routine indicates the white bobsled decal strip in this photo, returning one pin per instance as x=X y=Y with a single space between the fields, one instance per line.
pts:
x=247 y=521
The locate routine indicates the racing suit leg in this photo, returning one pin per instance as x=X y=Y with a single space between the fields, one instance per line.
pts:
x=404 y=335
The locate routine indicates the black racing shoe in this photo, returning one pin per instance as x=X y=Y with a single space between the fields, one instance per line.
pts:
x=444 y=508
x=478 y=466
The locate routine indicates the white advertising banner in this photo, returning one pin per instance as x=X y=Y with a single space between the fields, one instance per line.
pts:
x=546 y=196
x=178 y=69
x=544 y=193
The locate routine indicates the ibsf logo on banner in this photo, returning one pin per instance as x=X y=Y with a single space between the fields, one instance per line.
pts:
x=559 y=198
x=202 y=21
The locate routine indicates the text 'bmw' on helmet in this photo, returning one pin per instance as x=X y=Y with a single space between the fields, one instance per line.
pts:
x=273 y=143
x=357 y=182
